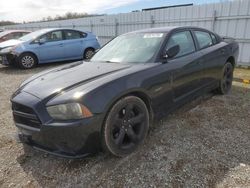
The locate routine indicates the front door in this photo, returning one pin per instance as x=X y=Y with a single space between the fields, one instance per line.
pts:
x=186 y=66
x=178 y=77
x=53 y=47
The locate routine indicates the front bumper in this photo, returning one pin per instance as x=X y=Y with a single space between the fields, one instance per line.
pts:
x=8 y=59
x=71 y=139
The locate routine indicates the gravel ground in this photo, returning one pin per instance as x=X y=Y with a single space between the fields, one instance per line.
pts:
x=204 y=144
x=242 y=73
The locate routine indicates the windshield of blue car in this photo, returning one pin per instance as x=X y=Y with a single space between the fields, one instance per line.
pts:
x=32 y=35
x=4 y=33
x=130 y=48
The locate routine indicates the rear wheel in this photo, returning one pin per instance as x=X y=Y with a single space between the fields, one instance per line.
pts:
x=227 y=79
x=89 y=52
x=126 y=126
x=27 y=61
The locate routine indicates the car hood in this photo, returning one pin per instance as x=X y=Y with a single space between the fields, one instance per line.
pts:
x=55 y=81
x=9 y=43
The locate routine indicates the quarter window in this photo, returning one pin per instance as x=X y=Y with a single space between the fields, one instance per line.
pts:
x=52 y=36
x=184 y=40
x=69 y=35
x=204 y=39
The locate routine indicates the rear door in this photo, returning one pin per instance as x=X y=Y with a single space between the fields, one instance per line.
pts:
x=73 y=44
x=186 y=65
x=213 y=55
x=53 y=48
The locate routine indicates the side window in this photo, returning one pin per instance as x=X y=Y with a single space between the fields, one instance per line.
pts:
x=69 y=35
x=204 y=39
x=184 y=40
x=52 y=36
x=17 y=35
x=214 y=39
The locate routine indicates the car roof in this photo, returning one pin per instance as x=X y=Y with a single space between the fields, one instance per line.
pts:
x=6 y=32
x=61 y=28
x=165 y=29
x=156 y=30
x=11 y=31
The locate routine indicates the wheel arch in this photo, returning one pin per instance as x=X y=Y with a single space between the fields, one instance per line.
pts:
x=137 y=93
x=30 y=52
x=90 y=47
x=146 y=99
x=231 y=59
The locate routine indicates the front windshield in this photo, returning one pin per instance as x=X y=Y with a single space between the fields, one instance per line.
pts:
x=32 y=35
x=130 y=48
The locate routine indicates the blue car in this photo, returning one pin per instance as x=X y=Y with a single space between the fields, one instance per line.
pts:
x=48 y=45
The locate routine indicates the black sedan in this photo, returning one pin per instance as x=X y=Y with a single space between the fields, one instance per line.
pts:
x=108 y=103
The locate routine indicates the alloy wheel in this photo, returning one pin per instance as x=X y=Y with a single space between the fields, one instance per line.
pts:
x=128 y=126
x=28 y=61
x=89 y=53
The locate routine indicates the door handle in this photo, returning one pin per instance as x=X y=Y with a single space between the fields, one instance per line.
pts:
x=61 y=44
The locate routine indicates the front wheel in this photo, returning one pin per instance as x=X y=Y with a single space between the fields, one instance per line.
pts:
x=27 y=61
x=126 y=126
x=226 y=79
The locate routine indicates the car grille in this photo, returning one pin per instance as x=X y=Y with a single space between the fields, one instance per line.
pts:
x=25 y=116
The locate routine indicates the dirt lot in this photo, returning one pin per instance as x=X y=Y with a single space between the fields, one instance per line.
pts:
x=204 y=144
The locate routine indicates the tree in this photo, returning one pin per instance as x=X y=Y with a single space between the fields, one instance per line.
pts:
x=4 y=23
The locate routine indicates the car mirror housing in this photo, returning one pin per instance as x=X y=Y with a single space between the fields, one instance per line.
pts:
x=171 y=52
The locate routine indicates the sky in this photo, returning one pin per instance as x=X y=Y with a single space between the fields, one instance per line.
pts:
x=33 y=10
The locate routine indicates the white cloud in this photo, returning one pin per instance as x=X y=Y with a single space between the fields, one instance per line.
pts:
x=31 y=10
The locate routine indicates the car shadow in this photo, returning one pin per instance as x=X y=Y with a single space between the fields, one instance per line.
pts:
x=196 y=145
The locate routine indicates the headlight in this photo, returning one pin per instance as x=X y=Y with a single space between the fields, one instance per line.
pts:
x=15 y=47
x=9 y=49
x=70 y=111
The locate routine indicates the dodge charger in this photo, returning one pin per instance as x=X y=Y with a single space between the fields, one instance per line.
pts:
x=108 y=103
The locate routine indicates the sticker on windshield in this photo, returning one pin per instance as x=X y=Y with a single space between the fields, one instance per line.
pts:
x=153 y=35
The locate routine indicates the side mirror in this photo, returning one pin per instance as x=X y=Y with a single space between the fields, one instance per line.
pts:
x=171 y=52
x=41 y=41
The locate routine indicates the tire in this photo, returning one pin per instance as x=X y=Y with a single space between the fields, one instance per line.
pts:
x=88 y=53
x=27 y=61
x=126 y=126
x=226 y=79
